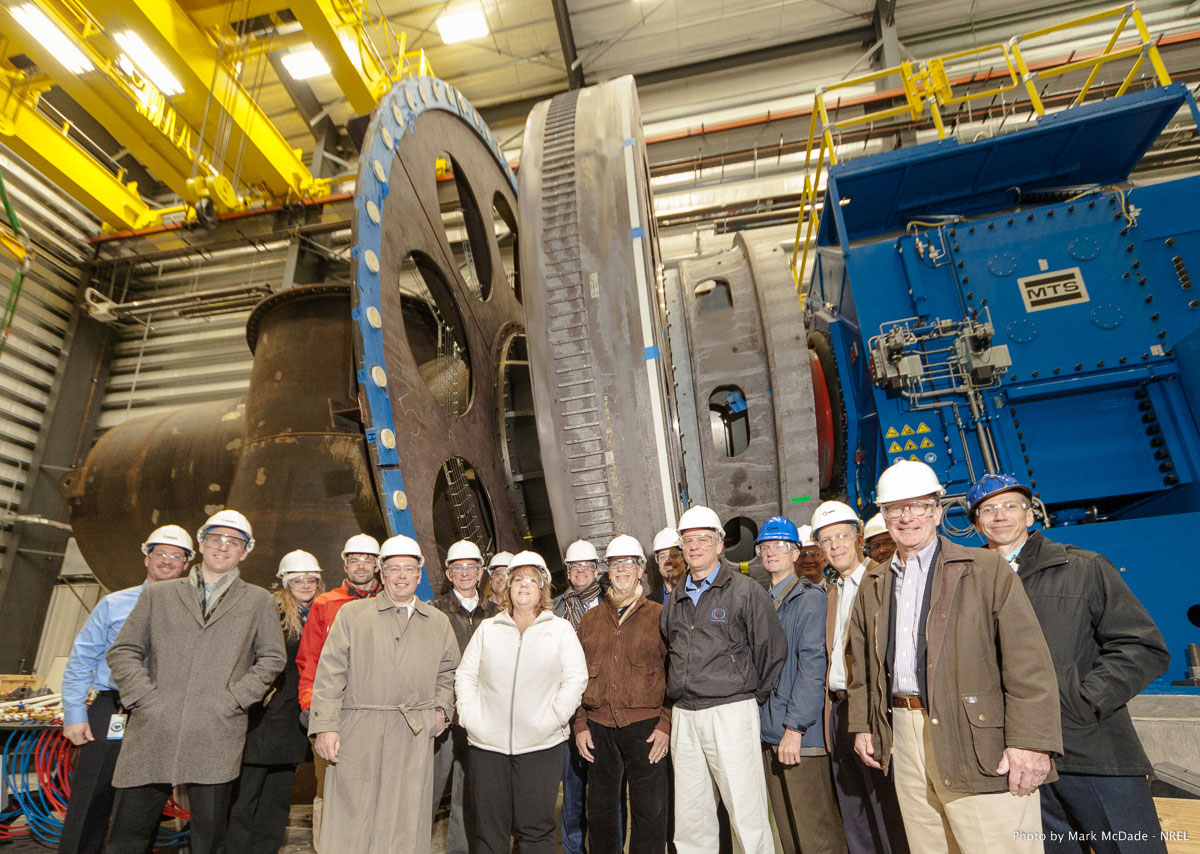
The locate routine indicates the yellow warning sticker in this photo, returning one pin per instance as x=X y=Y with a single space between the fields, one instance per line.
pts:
x=907 y=431
x=913 y=457
x=910 y=445
x=923 y=428
x=925 y=443
x=891 y=433
x=894 y=448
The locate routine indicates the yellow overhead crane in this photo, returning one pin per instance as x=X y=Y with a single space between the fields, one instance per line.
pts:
x=210 y=141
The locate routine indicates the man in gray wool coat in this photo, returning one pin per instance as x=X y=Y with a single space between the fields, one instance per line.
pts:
x=192 y=658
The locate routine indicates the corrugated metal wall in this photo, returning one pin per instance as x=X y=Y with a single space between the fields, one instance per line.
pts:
x=58 y=228
x=171 y=361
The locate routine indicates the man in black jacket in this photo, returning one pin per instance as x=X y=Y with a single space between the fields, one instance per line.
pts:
x=726 y=649
x=1106 y=649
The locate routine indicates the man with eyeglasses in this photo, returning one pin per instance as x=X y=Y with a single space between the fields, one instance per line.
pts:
x=360 y=561
x=794 y=756
x=465 y=609
x=384 y=692
x=809 y=562
x=878 y=544
x=866 y=797
x=192 y=658
x=1106 y=650
x=951 y=683
x=668 y=556
x=726 y=650
x=497 y=575
x=583 y=594
x=89 y=725
x=623 y=724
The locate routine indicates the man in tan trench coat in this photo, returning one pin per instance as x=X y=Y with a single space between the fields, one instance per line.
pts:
x=192 y=658
x=384 y=691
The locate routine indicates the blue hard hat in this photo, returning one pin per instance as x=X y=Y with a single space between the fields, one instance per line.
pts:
x=993 y=484
x=778 y=528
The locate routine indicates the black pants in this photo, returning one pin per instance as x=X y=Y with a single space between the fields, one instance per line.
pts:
x=262 y=804
x=92 y=792
x=624 y=753
x=866 y=796
x=1078 y=808
x=514 y=796
x=138 y=813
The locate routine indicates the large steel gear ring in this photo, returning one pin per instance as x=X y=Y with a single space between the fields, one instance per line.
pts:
x=432 y=334
x=593 y=302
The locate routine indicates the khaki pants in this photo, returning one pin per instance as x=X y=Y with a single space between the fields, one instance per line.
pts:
x=938 y=821
x=715 y=750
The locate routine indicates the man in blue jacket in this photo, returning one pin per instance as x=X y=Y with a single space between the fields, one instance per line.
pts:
x=794 y=755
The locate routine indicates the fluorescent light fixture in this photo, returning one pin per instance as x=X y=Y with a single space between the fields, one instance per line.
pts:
x=306 y=63
x=39 y=26
x=147 y=63
x=462 y=25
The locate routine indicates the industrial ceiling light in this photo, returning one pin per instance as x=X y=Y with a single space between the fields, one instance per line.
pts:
x=305 y=63
x=462 y=25
x=39 y=26
x=151 y=67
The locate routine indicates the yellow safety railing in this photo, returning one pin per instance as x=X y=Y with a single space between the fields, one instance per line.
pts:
x=927 y=86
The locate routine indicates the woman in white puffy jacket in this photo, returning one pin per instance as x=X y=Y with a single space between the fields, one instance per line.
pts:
x=519 y=683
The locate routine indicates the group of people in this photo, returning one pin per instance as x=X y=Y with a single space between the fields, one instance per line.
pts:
x=897 y=692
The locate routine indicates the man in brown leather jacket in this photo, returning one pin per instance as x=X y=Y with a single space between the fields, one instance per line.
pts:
x=951 y=682
x=623 y=725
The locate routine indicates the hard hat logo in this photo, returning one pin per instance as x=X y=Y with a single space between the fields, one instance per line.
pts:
x=833 y=512
x=169 y=535
x=778 y=528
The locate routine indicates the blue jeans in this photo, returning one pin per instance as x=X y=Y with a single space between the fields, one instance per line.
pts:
x=1076 y=806
x=574 y=819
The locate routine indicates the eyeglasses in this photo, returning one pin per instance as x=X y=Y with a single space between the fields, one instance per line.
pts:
x=826 y=542
x=583 y=566
x=663 y=556
x=466 y=569
x=526 y=581
x=989 y=510
x=304 y=579
x=166 y=557
x=621 y=562
x=773 y=547
x=361 y=561
x=916 y=509
x=405 y=568
x=498 y=571
x=216 y=540
x=699 y=540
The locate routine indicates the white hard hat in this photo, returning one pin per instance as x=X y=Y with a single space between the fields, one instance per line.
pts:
x=400 y=546
x=667 y=538
x=701 y=517
x=907 y=479
x=229 y=519
x=169 y=535
x=874 y=526
x=528 y=558
x=624 y=546
x=833 y=512
x=463 y=550
x=360 y=544
x=579 y=550
x=298 y=562
x=806 y=536
x=500 y=559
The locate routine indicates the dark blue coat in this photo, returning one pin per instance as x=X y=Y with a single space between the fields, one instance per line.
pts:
x=798 y=700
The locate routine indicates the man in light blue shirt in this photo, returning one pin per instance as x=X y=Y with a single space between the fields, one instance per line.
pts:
x=167 y=552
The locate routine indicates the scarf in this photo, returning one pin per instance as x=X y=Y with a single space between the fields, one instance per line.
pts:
x=575 y=602
x=355 y=593
x=303 y=609
x=627 y=605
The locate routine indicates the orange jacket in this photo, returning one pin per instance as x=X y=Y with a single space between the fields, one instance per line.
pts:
x=316 y=630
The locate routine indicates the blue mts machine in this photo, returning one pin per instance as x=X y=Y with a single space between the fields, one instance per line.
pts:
x=1005 y=306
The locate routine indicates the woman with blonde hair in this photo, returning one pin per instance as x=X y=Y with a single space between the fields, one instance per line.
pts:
x=275 y=741
x=519 y=683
